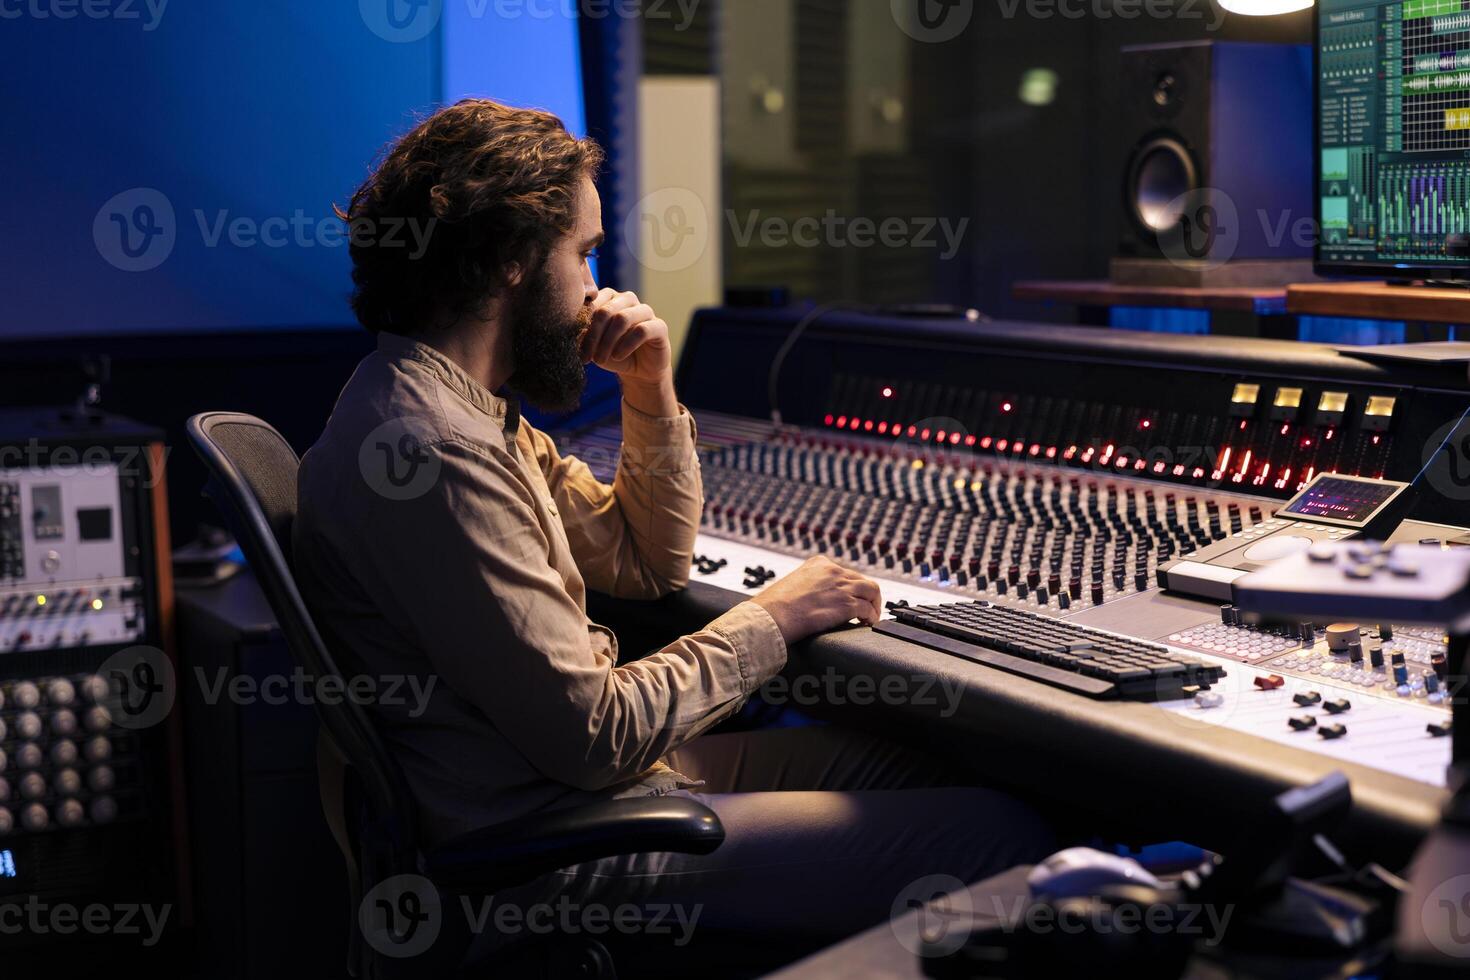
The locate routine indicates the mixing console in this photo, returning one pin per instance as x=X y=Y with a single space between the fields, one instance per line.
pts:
x=1070 y=508
x=1022 y=557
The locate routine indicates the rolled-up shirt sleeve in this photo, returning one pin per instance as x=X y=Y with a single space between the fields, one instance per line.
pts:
x=635 y=538
x=473 y=586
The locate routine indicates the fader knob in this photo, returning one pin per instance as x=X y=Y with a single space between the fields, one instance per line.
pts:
x=28 y=725
x=61 y=692
x=34 y=818
x=70 y=813
x=67 y=782
x=98 y=749
x=101 y=779
x=64 y=752
x=103 y=809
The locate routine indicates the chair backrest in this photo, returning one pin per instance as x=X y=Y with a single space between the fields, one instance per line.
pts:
x=252 y=481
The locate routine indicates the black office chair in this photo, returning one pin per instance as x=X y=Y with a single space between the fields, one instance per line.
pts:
x=367 y=801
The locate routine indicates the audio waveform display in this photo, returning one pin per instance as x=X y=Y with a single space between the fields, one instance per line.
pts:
x=1414 y=9
x=1445 y=82
x=1444 y=61
x=1420 y=205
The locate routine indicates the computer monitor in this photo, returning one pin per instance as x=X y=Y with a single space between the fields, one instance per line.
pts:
x=1393 y=137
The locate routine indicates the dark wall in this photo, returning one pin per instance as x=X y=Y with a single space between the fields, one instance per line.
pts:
x=1044 y=182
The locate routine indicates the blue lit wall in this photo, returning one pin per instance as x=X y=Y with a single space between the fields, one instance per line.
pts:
x=229 y=130
x=1159 y=320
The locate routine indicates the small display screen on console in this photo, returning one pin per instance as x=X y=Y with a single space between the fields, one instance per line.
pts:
x=1343 y=500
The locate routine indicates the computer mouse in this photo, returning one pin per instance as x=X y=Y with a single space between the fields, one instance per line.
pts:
x=1081 y=871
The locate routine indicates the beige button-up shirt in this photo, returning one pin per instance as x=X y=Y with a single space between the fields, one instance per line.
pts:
x=445 y=546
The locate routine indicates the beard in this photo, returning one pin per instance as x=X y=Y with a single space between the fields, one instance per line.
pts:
x=546 y=344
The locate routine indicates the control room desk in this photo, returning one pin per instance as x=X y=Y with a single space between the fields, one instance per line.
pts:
x=1125 y=762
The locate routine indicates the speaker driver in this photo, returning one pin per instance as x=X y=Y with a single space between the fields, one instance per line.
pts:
x=1162 y=171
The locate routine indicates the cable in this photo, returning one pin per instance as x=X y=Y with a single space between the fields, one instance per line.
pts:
x=812 y=316
x=1442 y=447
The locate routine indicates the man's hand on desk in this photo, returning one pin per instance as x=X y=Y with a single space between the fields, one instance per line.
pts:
x=626 y=337
x=819 y=596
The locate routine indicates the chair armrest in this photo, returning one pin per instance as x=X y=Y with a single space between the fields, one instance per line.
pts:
x=515 y=852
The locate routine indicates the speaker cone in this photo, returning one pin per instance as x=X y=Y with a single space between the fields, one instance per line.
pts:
x=1162 y=171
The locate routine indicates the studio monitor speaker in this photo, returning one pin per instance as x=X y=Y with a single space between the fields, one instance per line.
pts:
x=1216 y=163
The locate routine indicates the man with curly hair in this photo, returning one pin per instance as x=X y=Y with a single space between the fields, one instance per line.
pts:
x=465 y=564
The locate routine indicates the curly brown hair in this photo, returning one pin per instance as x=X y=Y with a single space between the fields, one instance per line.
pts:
x=484 y=185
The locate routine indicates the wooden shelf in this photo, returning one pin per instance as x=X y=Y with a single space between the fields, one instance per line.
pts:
x=1379 y=301
x=1102 y=292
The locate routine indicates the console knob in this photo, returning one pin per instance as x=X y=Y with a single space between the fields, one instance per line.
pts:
x=61 y=692
x=25 y=695
x=33 y=786
x=7 y=822
x=1340 y=636
x=98 y=749
x=98 y=718
x=28 y=725
x=103 y=809
x=67 y=782
x=4 y=790
x=28 y=756
x=34 y=817
x=101 y=779
x=64 y=752
x=94 y=688
x=70 y=813
x=64 y=722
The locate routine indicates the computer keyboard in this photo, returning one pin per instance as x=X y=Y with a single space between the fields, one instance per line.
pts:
x=1085 y=661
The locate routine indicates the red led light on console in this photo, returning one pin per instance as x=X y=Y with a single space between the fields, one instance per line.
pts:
x=887 y=392
x=1006 y=407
